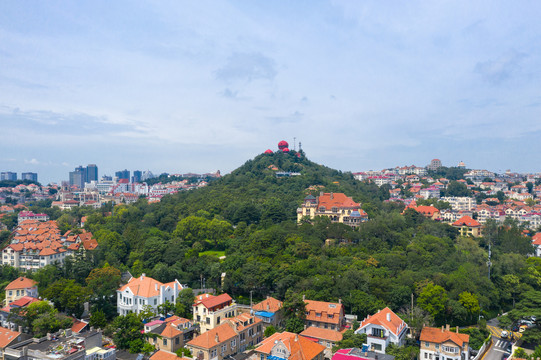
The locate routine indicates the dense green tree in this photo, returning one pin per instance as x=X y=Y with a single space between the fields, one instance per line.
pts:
x=433 y=299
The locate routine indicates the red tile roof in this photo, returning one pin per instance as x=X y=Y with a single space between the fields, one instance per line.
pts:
x=386 y=318
x=212 y=301
x=536 y=239
x=322 y=334
x=300 y=347
x=324 y=309
x=7 y=337
x=269 y=304
x=207 y=340
x=165 y=355
x=21 y=283
x=439 y=336
x=466 y=221
x=339 y=200
x=78 y=325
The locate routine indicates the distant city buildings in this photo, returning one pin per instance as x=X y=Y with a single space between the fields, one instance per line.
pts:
x=8 y=175
x=29 y=176
x=82 y=175
x=123 y=174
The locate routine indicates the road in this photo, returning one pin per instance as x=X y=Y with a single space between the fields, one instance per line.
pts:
x=498 y=349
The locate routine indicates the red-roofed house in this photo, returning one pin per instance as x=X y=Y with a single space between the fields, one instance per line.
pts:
x=440 y=344
x=9 y=337
x=288 y=346
x=270 y=311
x=144 y=290
x=382 y=329
x=325 y=315
x=165 y=355
x=536 y=242
x=210 y=310
x=468 y=226
x=325 y=337
x=232 y=336
x=336 y=206
x=20 y=287
x=428 y=211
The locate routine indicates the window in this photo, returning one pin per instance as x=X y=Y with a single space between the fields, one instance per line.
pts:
x=213 y=353
x=218 y=320
x=426 y=355
x=165 y=342
x=437 y=346
x=177 y=340
x=155 y=301
x=427 y=344
x=224 y=347
x=233 y=343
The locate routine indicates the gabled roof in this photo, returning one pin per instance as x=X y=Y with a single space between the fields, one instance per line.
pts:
x=439 y=336
x=300 y=347
x=324 y=309
x=270 y=304
x=7 y=337
x=166 y=355
x=323 y=334
x=143 y=286
x=467 y=221
x=24 y=301
x=536 y=239
x=78 y=325
x=339 y=200
x=386 y=318
x=21 y=283
x=207 y=340
x=210 y=301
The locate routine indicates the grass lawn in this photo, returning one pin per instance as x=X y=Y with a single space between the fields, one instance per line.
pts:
x=215 y=253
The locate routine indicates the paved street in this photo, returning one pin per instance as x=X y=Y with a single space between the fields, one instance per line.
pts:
x=496 y=331
x=498 y=349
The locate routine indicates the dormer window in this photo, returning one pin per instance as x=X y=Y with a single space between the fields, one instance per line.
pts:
x=318 y=314
x=322 y=208
x=334 y=209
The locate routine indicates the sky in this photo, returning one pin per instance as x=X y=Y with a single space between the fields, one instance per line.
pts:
x=197 y=86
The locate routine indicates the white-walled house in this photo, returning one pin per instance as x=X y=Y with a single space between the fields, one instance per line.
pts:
x=443 y=344
x=144 y=290
x=382 y=329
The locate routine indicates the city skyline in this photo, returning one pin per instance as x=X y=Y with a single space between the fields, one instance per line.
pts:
x=183 y=86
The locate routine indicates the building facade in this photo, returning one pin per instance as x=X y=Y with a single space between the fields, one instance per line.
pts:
x=442 y=344
x=382 y=329
x=144 y=290
x=210 y=310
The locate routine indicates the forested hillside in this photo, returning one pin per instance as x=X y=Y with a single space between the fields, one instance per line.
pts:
x=244 y=225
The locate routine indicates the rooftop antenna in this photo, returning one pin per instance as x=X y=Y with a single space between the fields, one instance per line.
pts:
x=294 y=146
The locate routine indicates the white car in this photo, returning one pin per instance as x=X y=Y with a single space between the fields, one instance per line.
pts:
x=504 y=334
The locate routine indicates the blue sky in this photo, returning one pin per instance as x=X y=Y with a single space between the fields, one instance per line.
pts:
x=196 y=86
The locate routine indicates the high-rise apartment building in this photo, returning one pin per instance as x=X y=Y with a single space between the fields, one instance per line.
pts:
x=137 y=176
x=29 y=176
x=123 y=174
x=8 y=175
x=82 y=175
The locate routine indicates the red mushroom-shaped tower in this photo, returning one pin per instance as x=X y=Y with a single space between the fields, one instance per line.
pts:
x=283 y=145
x=285 y=150
x=268 y=151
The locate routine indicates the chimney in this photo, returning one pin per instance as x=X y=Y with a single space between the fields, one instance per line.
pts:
x=142 y=276
x=442 y=328
x=217 y=338
x=268 y=306
x=332 y=196
x=447 y=327
x=20 y=329
x=389 y=317
x=296 y=337
x=339 y=300
x=303 y=297
x=456 y=329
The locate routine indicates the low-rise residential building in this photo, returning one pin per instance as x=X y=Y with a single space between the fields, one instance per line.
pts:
x=172 y=333
x=443 y=344
x=536 y=242
x=428 y=211
x=9 y=316
x=20 y=287
x=463 y=203
x=382 y=329
x=144 y=290
x=234 y=335
x=468 y=226
x=270 y=311
x=336 y=206
x=325 y=337
x=29 y=215
x=288 y=346
x=9 y=337
x=166 y=355
x=210 y=310
x=325 y=315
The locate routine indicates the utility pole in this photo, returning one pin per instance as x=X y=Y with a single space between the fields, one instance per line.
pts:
x=251 y=291
x=412 y=308
x=294 y=143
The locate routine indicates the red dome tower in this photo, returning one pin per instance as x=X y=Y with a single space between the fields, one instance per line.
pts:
x=268 y=151
x=283 y=145
x=285 y=150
